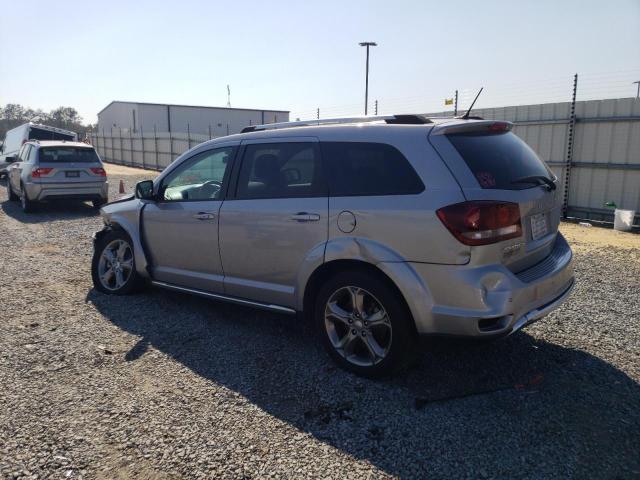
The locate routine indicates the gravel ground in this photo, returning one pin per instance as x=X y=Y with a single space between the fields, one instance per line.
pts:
x=164 y=385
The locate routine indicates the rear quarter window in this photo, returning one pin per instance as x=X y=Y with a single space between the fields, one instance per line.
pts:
x=368 y=169
x=498 y=160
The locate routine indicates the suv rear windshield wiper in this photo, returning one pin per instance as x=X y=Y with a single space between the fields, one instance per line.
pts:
x=537 y=179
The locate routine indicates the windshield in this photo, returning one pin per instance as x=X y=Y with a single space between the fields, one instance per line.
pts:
x=498 y=161
x=68 y=154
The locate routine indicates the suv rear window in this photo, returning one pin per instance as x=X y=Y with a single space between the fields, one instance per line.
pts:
x=363 y=169
x=40 y=134
x=67 y=154
x=498 y=160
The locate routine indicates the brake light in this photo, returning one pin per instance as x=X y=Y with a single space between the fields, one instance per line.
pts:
x=41 y=172
x=99 y=171
x=499 y=127
x=482 y=222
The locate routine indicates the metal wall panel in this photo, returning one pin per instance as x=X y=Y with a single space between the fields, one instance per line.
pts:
x=606 y=148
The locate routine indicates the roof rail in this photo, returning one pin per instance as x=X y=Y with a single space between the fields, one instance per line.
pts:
x=390 y=119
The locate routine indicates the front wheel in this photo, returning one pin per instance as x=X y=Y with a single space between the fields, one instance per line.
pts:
x=364 y=325
x=12 y=196
x=113 y=267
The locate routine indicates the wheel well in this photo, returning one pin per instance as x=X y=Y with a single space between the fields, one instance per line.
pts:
x=327 y=270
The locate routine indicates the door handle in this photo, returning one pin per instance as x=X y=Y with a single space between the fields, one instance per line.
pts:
x=204 y=215
x=305 y=217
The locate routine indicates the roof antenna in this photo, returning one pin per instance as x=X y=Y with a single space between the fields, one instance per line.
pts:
x=466 y=115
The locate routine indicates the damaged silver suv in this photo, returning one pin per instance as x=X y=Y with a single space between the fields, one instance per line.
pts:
x=379 y=230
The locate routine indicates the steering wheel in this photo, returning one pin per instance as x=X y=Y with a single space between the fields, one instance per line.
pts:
x=210 y=188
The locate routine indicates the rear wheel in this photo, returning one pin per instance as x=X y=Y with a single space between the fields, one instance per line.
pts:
x=28 y=206
x=364 y=325
x=12 y=196
x=99 y=203
x=113 y=268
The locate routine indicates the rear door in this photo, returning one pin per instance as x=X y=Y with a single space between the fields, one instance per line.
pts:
x=493 y=164
x=14 y=171
x=274 y=219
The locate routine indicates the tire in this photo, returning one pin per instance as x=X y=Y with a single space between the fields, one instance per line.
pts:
x=99 y=203
x=28 y=206
x=391 y=339
x=124 y=278
x=10 y=194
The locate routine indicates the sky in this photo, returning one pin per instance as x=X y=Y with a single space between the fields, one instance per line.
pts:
x=303 y=55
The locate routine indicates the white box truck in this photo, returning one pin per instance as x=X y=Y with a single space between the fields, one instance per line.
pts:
x=15 y=137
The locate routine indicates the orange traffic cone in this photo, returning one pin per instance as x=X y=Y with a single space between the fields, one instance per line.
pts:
x=121 y=186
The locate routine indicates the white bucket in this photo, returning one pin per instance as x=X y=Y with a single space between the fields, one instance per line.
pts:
x=623 y=220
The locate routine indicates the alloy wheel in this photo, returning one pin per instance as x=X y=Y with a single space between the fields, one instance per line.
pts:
x=358 y=326
x=115 y=265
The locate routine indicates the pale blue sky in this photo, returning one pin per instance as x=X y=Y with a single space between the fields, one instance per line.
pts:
x=298 y=55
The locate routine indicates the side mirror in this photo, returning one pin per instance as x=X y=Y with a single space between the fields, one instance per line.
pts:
x=144 y=190
x=10 y=159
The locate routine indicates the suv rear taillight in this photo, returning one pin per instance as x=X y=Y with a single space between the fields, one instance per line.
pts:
x=99 y=171
x=482 y=222
x=41 y=172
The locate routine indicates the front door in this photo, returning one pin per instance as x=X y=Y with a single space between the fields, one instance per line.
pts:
x=275 y=220
x=181 y=228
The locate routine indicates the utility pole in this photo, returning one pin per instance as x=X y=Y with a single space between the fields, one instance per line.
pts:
x=318 y=115
x=455 y=105
x=638 y=92
x=376 y=107
x=366 y=82
x=228 y=97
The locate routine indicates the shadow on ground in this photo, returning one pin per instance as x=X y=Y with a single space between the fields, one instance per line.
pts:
x=48 y=211
x=513 y=408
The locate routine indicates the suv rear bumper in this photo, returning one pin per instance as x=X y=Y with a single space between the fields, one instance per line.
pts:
x=490 y=300
x=51 y=191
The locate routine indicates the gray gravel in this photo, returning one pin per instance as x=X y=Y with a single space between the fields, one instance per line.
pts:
x=163 y=385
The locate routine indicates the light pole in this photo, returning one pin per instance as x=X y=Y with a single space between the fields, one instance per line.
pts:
x=638 y=92
x=366 y=82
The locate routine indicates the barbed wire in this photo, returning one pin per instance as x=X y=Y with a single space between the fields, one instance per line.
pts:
x=591 y=86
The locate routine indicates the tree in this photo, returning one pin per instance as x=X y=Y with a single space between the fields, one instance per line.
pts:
x=13 y=115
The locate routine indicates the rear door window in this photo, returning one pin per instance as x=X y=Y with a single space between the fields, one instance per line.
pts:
x=67 y=154
x=41 y=134
x=281 y=170
x=368 y=169
x=499 y=160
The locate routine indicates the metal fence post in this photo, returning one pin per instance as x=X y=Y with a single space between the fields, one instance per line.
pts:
x=570 y=139
x=188 y=137
x=111 y=145
x=120 y=145
x=143 y=151
x=131 y=146
x=209 y=131
x=170 y=147
x=155 y=145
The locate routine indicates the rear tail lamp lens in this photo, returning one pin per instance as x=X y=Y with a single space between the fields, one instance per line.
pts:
x=41 y=172
x=482 y=222
x=99 y=171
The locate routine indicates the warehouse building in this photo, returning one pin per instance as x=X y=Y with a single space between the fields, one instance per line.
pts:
x=136 y=117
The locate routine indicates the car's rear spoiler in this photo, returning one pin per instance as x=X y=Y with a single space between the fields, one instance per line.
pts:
x=468 y=126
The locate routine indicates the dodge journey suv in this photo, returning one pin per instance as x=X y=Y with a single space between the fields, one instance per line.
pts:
x=378 y=230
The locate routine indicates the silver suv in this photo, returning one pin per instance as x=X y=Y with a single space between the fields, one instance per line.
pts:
x=51 y=170
x=378 y=230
